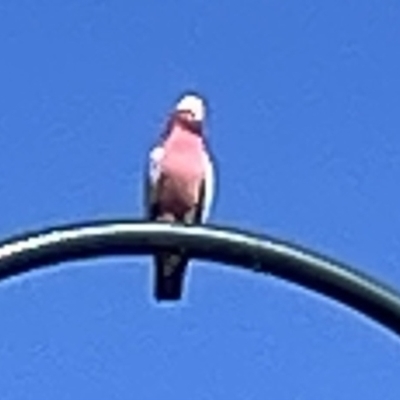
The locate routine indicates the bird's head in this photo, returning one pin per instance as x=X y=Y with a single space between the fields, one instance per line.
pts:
x=191 y=109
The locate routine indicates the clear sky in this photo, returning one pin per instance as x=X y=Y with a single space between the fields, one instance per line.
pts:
x=304 y=99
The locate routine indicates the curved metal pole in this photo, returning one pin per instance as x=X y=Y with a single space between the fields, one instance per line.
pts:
x=257 y=253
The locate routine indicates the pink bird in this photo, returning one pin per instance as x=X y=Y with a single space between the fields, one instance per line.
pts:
x=179 y=186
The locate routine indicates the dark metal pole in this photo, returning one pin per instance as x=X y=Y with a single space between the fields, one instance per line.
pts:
x=257 y=253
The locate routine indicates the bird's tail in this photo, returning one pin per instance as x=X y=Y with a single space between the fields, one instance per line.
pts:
x=170 y=267
x=170 y=273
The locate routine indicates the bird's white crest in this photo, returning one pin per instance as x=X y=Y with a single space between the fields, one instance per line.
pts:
x=194 y=104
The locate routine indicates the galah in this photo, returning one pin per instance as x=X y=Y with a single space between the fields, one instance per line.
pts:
x=179 y=186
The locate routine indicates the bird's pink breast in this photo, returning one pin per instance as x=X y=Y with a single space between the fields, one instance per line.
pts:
x=182 y=171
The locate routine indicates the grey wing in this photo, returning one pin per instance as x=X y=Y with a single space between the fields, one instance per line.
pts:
x=208 y=189
x=152 y=175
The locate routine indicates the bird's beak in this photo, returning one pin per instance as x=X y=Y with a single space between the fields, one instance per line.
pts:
x=188 y=119
x=187 y=115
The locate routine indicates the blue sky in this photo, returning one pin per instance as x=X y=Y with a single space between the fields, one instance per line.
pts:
x=304 y=124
